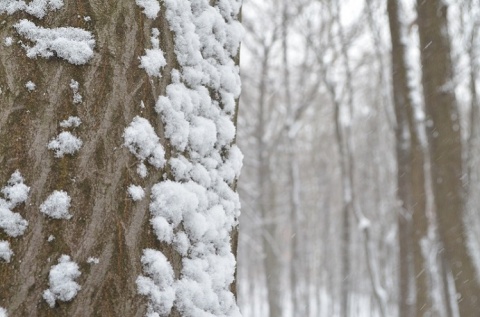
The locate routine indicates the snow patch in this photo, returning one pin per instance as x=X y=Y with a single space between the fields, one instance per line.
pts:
x=37 y=8
x=142 y=141
x=72 y=44
x=65 y=143
x=71 y=122
x=197 y=210
x=158 y=284
x=62 y=281
x=15 y=193
x=93 y=260
x=3 y=312
x=153 y=61
x=136 y=192
x=56 y=205
x=8 y=41
x=5 y=252
x=77 y=98
x=150 y=8
x=30 y=86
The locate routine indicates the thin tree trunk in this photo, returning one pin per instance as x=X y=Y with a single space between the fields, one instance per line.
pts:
x=271 y=259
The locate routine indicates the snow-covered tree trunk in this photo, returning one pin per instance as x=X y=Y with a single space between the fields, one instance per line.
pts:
x=117 y=157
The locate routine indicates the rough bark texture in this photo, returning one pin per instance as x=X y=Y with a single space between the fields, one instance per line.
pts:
x=106 y=223
x=446 y=150
x=412 y=221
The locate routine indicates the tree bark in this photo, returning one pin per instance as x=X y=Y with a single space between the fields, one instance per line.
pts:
x=106 y=222
x=445 y=144
x=413 y=222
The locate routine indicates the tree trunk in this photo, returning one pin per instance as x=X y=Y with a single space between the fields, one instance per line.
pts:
x=411 y=179
x=107 y=222
x=446 y=150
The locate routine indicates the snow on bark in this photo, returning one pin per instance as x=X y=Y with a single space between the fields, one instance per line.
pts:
x=37 y=8
x=30 y=85
x=8 y=41
x=71 y=122
x=142 y=141
x=15 y=193
x=57 y=205
x=72 y=44
x=153 y=61
x=150 y=8
x=158 y=286
x=5 y=251
x=62 y=281
x=65 y=143
x=136 y=192
x=74 y=85
x=197 y=210
x=3 y=312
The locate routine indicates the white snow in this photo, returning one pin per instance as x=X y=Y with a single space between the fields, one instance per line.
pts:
x=15 y=193
x=30 y=86
x=142 y=141
x=62 y=281
x=150 y=7
x=56 y=205
x=5 y=251
x=72 y=44
x=93 y=260
x=77 y=98
x=50 y=238
x=158 y=284
x=136 y=192
x=65 y=143
x=196 y=211
x=37 y=8
x=3 y=312
x=8 y=41
x=142 y=170
x=71 y=122
x=153 y=61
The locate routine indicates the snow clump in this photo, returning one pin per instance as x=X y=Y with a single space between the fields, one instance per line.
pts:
x=37 y=8
x=150 y=7
x=72 y=44
x=136 y=192
x=71 y=122
x=5 y=251
x=158 y=285
x=15 y=193
x=77 y=98
x=3 y=312
x=92 y=260
x=8 y=41
x=30 y=85
x=142 y=141
x=153 y=61
x=56 y=205
x=65 y=143
x=62 y=281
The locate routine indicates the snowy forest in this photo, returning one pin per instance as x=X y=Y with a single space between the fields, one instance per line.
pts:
x=227 y=158
x=359 y=122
